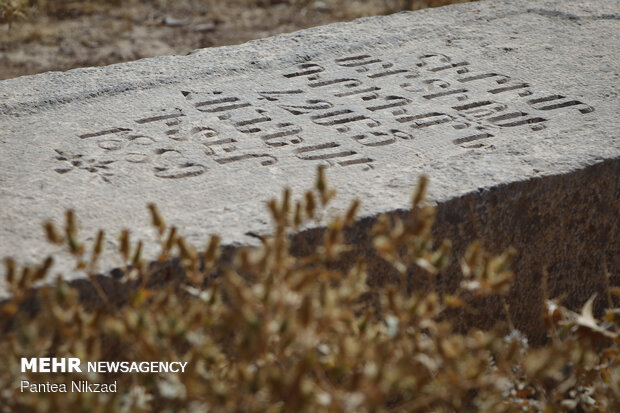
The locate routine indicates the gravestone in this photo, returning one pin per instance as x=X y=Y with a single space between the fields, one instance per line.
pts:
x=511 y=108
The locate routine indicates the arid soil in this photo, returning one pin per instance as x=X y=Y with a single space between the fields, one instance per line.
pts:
x=61 y=35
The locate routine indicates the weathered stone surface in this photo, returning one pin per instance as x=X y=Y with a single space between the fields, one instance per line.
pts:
x=489 y=99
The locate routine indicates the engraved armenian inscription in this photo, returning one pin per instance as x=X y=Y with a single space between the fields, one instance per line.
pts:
x=335 y=112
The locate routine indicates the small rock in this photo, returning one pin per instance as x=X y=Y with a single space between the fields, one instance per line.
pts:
x=320 y=6
x=204 y=27
x=174 y=22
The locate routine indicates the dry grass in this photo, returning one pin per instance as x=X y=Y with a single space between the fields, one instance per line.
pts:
x=275 y=332
x=43 y=35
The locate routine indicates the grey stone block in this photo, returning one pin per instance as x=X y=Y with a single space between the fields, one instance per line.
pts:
x=509 y=107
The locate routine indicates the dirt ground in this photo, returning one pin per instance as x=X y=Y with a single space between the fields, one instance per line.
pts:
x=46 y=35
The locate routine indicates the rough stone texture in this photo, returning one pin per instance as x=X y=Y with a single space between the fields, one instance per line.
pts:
x=510 y=107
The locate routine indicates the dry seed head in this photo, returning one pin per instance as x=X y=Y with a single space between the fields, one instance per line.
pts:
x=441 y=258
x=71 y=231
x=310 y=204
x=321 y=183
x=172 y=236
x=420 y=191
x=75 y=247
x=286 y=201
x=212 y=252
x=508 y=317
x=471 y=260
x=245 y=261
x=43 y=269
x=273 y=209
x=187 y=251
x=330 y=194
x=24 y=280
x=137 y=255
x=502 y=262
x=352 y=212
x=98 y=248
x=156 y=219
x=298 y=217
x=124 y=246
x=9 y=264
x=71 y=226
x=383 y=245
x=52 y=234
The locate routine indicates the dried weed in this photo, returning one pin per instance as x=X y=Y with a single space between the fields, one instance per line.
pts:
x=268 y=331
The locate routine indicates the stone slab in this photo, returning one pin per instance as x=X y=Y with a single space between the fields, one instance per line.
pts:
x=477 y=96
